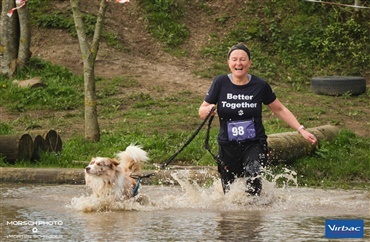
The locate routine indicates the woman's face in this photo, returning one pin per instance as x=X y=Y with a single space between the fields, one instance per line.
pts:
x=239 y=63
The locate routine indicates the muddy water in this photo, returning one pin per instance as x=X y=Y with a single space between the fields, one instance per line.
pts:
x=177 y=213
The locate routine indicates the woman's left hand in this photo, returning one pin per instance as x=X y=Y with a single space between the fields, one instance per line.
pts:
x=308 y=136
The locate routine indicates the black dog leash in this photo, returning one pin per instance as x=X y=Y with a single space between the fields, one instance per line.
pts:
x=182 y=148
x=206 y=142
x=190 y=139
x=206 y=146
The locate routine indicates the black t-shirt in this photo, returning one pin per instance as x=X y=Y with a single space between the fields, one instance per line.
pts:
x=240 y=103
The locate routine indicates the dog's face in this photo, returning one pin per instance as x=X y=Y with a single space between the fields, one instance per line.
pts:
x=100 y=166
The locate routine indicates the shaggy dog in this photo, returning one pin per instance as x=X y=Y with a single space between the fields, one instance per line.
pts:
x=111 y=177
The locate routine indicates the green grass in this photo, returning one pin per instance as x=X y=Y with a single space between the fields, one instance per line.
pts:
x=294 y=40
x=162 y=125
x=44 y=15
x=344 y=162
x=64 y=90
x=164 y=21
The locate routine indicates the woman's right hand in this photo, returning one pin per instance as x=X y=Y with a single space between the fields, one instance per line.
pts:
x=205 y=108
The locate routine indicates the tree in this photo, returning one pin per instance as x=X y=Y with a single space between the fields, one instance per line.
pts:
x=89 y=53
x=15 y=35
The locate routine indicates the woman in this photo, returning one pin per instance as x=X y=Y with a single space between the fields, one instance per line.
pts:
x=237 y=98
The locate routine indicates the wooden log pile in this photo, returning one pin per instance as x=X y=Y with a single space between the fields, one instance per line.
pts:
x=29 y=146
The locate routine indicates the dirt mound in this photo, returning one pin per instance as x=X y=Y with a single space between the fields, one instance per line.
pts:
x=142 y=56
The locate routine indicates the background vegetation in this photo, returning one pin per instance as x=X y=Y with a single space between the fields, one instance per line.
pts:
x=291 y=41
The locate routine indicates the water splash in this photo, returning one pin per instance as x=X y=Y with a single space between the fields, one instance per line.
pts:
x=190 y=194
x=93 y=203
x=287 y=198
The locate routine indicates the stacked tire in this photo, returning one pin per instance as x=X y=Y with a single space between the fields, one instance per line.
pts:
x=338 y=85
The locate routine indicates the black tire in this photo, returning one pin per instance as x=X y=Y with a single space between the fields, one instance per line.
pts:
x=338 y=85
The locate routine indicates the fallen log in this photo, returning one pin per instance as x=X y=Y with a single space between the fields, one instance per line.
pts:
x=31 y=83
x=16 y=147
x=288 y=146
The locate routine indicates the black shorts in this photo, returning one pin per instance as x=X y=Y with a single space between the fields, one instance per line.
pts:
x=241 y=157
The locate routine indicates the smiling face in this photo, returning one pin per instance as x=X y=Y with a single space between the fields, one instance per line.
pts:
x=239 y=63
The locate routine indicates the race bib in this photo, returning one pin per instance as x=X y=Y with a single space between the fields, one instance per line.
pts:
x=241 y=130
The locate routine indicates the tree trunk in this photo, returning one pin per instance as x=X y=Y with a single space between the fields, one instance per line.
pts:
x=9 y=38
x=92 y=130
x=89 y=53
x=24 y=52
x=15 y=37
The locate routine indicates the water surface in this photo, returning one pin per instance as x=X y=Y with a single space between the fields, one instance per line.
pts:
x=177 y=213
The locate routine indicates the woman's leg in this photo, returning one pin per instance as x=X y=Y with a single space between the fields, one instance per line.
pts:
x=255 y=157
x=231 y=167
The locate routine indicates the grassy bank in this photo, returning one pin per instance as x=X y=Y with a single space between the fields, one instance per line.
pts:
x=161 y=124
x=286 y=51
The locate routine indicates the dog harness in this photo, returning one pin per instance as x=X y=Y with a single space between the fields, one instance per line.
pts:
x=136 y=187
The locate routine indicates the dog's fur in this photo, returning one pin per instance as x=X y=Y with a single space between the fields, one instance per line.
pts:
x=111 y=177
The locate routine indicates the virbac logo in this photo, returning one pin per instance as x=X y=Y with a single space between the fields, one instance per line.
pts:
x=342 y=228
